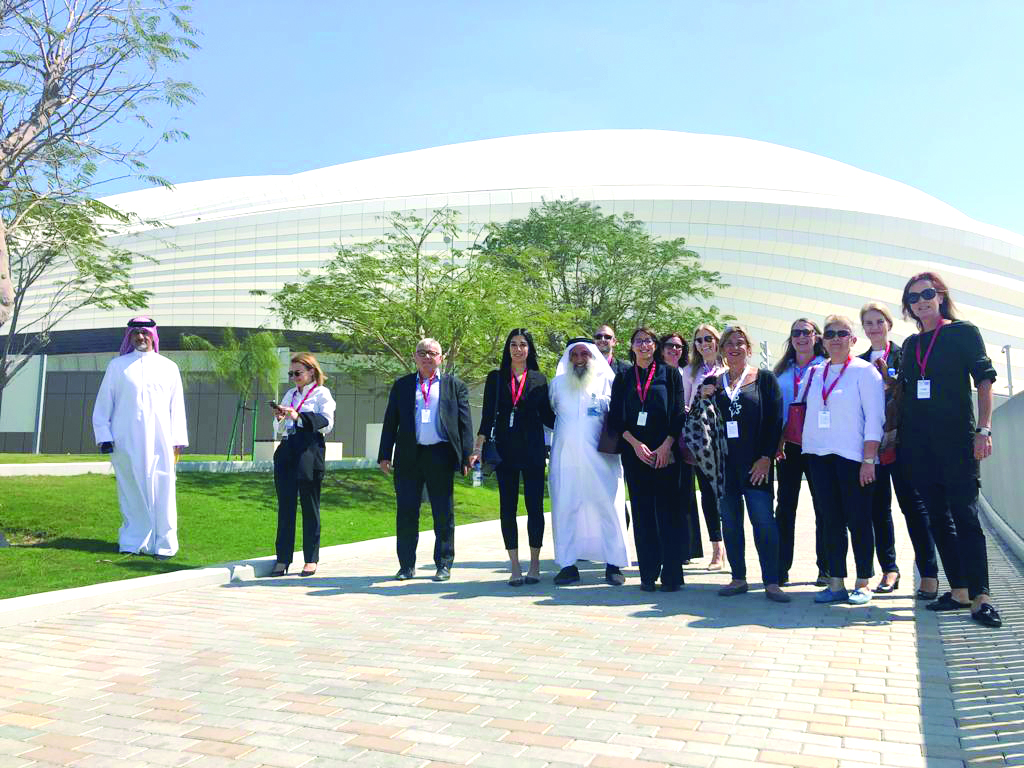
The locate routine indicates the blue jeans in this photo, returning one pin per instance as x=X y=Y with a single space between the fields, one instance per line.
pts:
x=766 y=532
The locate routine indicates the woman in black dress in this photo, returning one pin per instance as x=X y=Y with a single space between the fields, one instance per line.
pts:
x=940 y=441
x=647 y=410
x=521 y=393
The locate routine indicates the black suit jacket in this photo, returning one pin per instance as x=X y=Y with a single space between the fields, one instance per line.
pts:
x=305 y=449
x=398 y=433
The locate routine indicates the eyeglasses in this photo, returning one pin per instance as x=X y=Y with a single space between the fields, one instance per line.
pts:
x=703 y=339
x=603 y=337
x=523 y=345
x=927 y=294
x=645 y=342
x=672 y=345
x=842 y=334
x=427 y=353
x=796 y=333
x=295 y=374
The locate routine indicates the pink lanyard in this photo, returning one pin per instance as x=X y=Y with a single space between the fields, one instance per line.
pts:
x=517 y=394
x=647 y=387
x=426 y=390
x=826 y=392
x=798 y=375
x=922 y=364
x=304 y=399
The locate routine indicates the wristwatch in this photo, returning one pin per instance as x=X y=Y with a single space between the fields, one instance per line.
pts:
x=986 y=431
x=869 y=461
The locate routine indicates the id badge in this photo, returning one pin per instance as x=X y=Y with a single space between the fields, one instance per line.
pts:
x=425 y=416
x=511 y=419
x=641 y=419
x=732 y=429
x=824 y=420
x=924 y=389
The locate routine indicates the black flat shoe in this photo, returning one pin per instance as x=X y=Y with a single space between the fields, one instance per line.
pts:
x=531 y=580
x=947 y=603
x=404 y=574
x=568 y=575
x=884 y=589
x=647 y=586
x=987 y=616
x=670 y=587
x=922 y=595
x=304 y=572
x=516 y=582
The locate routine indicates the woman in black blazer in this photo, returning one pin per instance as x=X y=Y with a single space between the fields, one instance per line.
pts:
x=304 y=415
x=887 y=356
x=647 y=409
x=516 y=409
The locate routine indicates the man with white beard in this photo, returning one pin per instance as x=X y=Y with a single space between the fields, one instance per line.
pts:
x=588 y=497
x=139 y=419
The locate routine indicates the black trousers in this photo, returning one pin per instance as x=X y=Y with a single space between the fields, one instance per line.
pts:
x=953 y=509
x=790 y=472
x=889 y=478
x=533 y=492
x=659 y=527
x=709 y=505
x=846 y=505
x=288 y=486
x=686 y=497
x=434 y=469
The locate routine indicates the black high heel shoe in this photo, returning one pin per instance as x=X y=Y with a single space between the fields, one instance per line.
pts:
x=884 y=589
x=280 y=569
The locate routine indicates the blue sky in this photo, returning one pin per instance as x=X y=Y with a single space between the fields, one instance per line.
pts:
x=928 y=93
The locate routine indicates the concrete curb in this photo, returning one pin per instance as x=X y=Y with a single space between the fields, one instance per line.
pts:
x=57 y=469
x=67 y=469
x=45 y=605
x=1010 y=536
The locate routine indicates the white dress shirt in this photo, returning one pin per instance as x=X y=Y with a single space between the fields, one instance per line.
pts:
x=856 y=409
x=319 y=401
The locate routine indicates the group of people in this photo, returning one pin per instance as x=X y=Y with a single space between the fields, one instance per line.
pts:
x=687 y=412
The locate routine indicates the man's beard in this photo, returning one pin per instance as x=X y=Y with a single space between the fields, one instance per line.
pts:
x=142 y=347
x=582 y=376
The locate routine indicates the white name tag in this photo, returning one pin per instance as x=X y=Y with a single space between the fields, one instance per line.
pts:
x=641 y=419
x=732 y=429
x=425 y=416
x=824 y=420
x=924 y=389
x=511 y=419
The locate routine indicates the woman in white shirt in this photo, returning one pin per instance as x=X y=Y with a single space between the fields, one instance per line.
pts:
x=707 y=361
x=304 y=415
x=842 y=430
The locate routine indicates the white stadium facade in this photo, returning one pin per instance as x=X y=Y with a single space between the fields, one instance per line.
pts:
x=792 y=233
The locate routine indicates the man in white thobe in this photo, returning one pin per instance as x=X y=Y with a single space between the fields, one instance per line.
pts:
x=139 y=419
x=588 y=497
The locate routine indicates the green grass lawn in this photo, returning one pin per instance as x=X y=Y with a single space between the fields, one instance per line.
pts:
x=63 y=530
x=56 y=458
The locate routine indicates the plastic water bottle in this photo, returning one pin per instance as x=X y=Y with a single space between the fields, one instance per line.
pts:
x=478 y=475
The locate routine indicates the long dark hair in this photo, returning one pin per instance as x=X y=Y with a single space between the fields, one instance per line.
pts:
x=506 y=357
x=653 y=335
x=946 y=307
x=789 y=354
x=684 y=356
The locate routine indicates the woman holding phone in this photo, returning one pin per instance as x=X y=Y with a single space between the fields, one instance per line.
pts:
x=304 y=415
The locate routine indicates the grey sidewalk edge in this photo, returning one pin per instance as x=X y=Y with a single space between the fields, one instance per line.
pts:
x=1010 y=536
x=44 y=605
x=69 y=468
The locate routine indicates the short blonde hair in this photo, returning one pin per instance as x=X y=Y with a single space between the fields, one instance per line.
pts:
x=429 y=342
x=839 y=320
x=734 y=330
x=876 y=307
x=307 y=359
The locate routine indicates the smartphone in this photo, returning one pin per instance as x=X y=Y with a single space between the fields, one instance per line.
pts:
x=272 y=404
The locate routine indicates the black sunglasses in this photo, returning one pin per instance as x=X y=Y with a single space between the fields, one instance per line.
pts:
x=842 y=334
x=796 y=333
x=927 y=294
x=703 y=339
x=671 y=345
x=294 y=374
x=603 y=337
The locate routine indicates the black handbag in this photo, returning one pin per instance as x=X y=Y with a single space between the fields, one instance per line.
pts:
x=490 y=456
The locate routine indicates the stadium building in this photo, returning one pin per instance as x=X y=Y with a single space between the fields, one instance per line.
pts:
x=791 y=233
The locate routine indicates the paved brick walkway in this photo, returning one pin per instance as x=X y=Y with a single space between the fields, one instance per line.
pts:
x=349 y=668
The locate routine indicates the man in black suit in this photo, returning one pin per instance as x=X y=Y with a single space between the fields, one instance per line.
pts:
x=604 y=339
x=428 y=427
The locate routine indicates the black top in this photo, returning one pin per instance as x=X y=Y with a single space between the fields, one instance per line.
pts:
x=398 y=432
x=945 y=421
x=523 y=444
x=664 y=405
x=305 y=448
x=760 y=428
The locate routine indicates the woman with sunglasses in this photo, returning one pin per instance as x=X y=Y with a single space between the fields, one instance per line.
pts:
x=842 y=431
x=886 y=355
x=940 y=441
x=707 y=361
x=802 y=351
x=515 y=411
x=674 y=353
x=304 y=415
x=647 y=410
x=750 y=405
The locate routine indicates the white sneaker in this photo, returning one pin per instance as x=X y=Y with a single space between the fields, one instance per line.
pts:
x=860 y=596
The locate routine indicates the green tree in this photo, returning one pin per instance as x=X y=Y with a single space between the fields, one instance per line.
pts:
x=249 y=366
x=594 y=268
x=76 y=81
x=379 y=298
